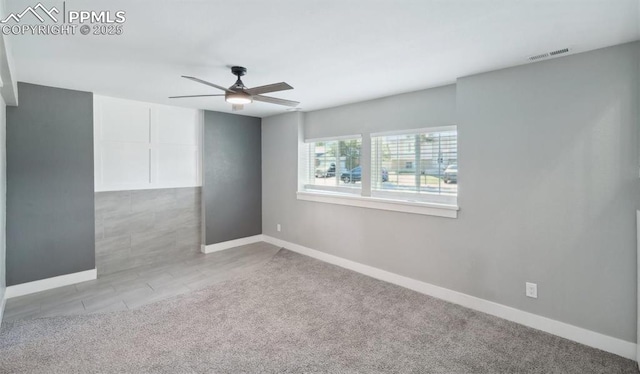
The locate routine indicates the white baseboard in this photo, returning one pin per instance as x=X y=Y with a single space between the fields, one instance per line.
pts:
x=587 y=337
x=49 y=283
x=231 y=244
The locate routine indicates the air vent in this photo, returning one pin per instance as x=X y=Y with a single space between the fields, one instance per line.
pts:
x=548 y=54
x=538 y=57
x=559 y=51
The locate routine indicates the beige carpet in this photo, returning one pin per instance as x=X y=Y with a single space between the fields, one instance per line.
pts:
x=295 y=315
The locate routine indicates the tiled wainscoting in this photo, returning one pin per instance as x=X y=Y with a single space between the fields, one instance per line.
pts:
x=144 y=227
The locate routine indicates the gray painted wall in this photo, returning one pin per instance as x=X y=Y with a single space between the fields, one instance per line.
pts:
x=548 y=156
x=50 y=230
x=232 y=187
x=3 y=199
x=434 y=107
x=146 y=227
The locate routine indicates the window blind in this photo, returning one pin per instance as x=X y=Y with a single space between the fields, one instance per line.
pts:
x=423 y=162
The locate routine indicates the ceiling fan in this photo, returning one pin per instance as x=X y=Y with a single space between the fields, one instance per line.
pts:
x=239 y=94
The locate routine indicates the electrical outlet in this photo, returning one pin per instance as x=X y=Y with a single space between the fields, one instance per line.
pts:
x=279 y=227
x=531 y=290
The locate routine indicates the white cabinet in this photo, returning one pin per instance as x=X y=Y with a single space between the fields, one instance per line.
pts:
x=141 y=145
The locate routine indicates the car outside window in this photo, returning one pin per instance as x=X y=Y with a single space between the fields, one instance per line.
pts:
x=335 y=163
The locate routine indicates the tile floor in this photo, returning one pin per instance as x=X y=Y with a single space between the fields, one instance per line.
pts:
x=140 y=286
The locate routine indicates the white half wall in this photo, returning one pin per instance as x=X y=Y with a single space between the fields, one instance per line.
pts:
x=140 y=145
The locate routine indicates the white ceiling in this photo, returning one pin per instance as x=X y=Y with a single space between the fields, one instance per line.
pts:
x=331 y=52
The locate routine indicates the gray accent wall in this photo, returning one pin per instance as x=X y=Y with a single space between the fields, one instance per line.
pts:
x=146 y=227
x=50 y=199
x=3 y=201
x=548 y=178
x=232 y=188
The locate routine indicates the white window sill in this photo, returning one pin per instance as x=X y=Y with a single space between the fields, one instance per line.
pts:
x=429 y=209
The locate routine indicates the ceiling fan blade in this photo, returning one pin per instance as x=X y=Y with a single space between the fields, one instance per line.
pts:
x=207 y=83
x=282 y=86
x=182 y=97
x=275 y=100
x=235 y=107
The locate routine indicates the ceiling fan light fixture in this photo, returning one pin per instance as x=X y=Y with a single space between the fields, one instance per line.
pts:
x=238 y=98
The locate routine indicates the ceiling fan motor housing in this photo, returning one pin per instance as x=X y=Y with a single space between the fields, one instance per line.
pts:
x=239 y=86
x=239 y=96
x=238 y=71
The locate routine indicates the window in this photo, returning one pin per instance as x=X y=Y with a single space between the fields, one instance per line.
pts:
x=334 y=165
x=418 y=165
x=413 y=171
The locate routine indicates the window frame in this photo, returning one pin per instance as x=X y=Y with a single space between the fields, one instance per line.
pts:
x=366 y=197
x=337 y=189
x=409 y=195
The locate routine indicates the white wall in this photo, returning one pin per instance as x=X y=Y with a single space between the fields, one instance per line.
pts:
x=548 y=157
x=141 y=145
